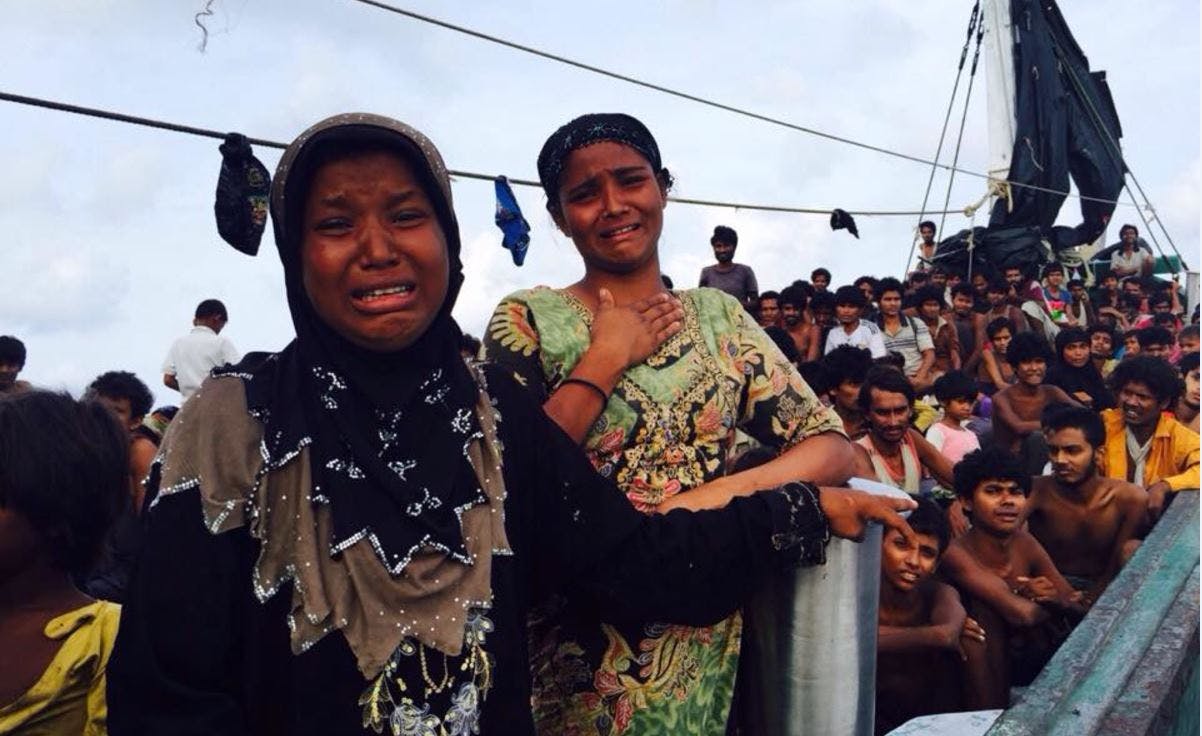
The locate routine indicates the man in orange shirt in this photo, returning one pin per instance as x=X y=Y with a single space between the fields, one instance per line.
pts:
x=1144 y=444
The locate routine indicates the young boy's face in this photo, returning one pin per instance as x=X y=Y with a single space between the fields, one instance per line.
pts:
x=846 y=395
x=905 y=566
x=1031 y=372
x=996 y=505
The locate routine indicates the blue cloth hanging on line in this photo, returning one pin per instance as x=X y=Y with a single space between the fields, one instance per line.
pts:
x=515 y=229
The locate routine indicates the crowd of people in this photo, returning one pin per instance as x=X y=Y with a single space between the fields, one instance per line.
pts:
x=1045 y=426
x=392 y=526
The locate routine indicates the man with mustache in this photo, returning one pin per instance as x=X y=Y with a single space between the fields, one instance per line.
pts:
x=899 y=455
x=1145 y=444
x=1018 y=407
x=1089 y=524
x=768 y=312
x=735 y=279
x=1009 y=583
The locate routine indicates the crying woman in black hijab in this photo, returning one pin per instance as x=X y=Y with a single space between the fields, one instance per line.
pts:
x=347 y=535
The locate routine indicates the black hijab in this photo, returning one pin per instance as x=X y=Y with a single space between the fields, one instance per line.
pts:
x=1086 y=379
x=387 y=432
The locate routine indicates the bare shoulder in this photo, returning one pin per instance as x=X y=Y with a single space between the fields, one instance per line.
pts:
x=1026 y=548
x=1054 y=392
x=1042 y=486
x=142 y=448
x=1127 y=495
x=955 y=557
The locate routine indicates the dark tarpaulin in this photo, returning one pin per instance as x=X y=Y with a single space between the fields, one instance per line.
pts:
x=1066 y=126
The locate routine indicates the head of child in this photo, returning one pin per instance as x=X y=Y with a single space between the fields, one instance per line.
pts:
x=1075 y=436
x=846 y=367
x=1187 y=339
x=886 y=400
x=124 y=394
x=1028 y=355
x=906 y=566
x=64 y=478
x=993 y=489
x=1101 y=342
x=930 y=303
x=956 y=393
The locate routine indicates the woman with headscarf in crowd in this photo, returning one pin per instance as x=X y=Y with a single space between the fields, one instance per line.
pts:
x=346 y=535
x=654 y=384
x=1075 y=372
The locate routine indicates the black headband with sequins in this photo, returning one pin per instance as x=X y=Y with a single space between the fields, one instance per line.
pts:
x=587 y=130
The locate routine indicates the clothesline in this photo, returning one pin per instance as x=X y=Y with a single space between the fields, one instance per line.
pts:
x=266 y=143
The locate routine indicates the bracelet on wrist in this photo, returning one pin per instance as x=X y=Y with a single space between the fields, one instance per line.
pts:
x=589 y=385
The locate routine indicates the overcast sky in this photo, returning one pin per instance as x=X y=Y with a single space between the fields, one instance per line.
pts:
x=108 y=233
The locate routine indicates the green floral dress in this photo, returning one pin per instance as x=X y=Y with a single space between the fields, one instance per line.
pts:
x=668 y=427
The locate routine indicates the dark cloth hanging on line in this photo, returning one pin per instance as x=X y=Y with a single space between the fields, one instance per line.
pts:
x=243 y=187
x=840 y=220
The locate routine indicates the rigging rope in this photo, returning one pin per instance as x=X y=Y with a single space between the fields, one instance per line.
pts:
x=972 y=77
x=972 y=21
x=703 y=100
x=1116 y=152
x=218 y=135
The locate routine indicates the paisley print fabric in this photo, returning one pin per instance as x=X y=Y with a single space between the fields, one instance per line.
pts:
x=668 y=427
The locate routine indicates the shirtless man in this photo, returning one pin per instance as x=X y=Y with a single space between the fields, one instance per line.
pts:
x=1010 y=584
x=1089 y=524
x=922 y=626
x=793 y=315
x=1018 y=407
x=1186 y=409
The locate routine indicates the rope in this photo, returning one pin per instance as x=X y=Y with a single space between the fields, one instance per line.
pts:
x=704 y=101
x=972 y=77
x=972 y=21
x=218 y=135
x=1116 y=152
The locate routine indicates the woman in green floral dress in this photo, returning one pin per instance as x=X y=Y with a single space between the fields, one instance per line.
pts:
x=654 y=384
